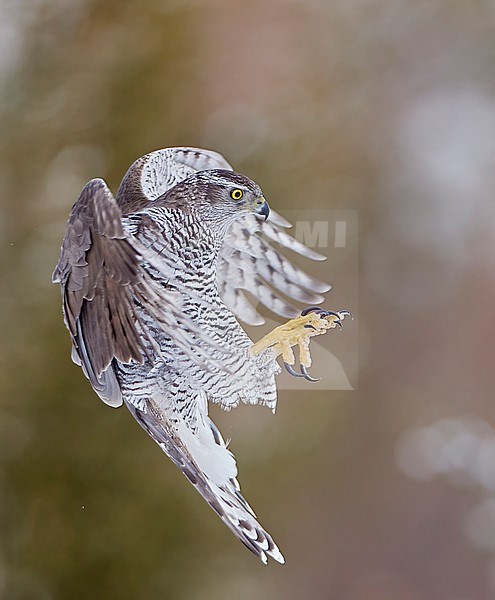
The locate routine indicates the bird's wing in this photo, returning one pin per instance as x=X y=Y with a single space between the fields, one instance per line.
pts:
x=193 y=442
x=101 y=275
x=252 y=256
x=150 y=176
x=166 y=168
x=252 y=260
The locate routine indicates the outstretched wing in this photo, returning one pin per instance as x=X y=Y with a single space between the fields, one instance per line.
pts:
x=101 y=274
x=193 y=442
x=248 y=260
x=97 y=269
x=150 y=176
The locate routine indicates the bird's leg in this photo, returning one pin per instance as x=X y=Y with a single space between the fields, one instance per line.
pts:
x=298 y=332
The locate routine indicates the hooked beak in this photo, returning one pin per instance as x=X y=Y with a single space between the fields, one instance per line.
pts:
x=262 y=208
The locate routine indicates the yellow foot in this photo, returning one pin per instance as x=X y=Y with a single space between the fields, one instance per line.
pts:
x=298 y=332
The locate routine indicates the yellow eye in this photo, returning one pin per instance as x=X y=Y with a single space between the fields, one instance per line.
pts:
x=236 y=194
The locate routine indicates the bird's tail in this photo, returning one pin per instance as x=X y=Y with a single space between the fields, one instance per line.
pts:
x=199 y=451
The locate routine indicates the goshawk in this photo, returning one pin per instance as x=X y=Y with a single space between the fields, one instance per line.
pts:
x=153 y=284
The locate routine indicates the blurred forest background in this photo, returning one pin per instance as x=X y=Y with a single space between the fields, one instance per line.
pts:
x=385 y=108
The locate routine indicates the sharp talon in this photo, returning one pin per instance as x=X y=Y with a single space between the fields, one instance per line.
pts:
x=322 y=312
x=306 y=311
x=307 y=376
x=309 y=326
x=328 y=313
x=291 y=370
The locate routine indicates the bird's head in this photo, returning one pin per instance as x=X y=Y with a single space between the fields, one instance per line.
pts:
x=220 y=196
x=235 y=193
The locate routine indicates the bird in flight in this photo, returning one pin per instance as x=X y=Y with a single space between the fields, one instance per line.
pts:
x=153 y=283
